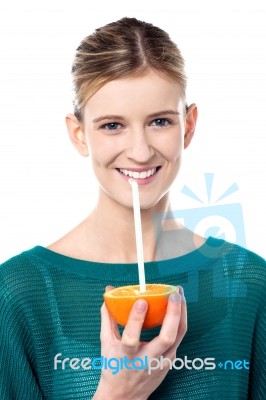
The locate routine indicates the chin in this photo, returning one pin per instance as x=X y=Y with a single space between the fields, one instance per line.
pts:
x=148 y=200
x=157 y=203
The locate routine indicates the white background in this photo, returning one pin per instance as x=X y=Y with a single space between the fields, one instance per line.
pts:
x=47 y=188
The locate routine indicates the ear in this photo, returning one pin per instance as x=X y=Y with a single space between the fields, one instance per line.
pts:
x=190 y=124
x=77 y=135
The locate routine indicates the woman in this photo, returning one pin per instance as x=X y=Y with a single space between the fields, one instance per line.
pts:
x=131 y=120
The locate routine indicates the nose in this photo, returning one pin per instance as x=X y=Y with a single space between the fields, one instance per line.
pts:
x=140 y=149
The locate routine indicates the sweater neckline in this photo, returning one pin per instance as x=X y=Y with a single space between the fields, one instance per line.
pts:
x=206 y=253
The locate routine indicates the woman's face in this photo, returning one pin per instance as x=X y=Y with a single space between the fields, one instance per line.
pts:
x=135 y=127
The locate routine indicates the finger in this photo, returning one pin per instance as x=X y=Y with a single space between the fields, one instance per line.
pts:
x=132 y=331
x=108 y=325
x=109 y=287
x=114 y=326
x=169 y=330
x=182 y=329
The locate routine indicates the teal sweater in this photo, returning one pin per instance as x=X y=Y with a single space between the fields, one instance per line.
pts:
x=50 y=306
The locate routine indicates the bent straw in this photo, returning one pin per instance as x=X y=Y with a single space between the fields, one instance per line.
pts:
x=138 y=234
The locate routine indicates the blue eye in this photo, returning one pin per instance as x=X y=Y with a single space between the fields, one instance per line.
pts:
x=116 y=126
x=162 y=122
x=111 y=126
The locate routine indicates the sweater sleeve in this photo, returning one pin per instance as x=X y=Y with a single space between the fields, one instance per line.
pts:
x=17 y=378
x=257 y=383
x=257 y=387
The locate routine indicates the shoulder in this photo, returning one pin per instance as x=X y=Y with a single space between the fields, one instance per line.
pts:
x=22 y=262
x=240 y=266
x=20 y=274
x=241 y=258
x=233 y=254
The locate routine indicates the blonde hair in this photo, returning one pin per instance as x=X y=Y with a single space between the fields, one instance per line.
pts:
x=119 y=49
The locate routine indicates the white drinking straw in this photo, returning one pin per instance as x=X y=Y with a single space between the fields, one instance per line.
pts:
x=138 y=234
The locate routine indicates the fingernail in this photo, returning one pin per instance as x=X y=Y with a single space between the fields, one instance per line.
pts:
x=181 y=291
x=140 y=306
x=175 y=297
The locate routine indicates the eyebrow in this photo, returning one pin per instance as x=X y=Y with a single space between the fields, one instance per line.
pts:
x=157 y=114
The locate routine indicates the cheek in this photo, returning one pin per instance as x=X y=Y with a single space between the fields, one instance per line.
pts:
x=101 y=152
x=171 y=147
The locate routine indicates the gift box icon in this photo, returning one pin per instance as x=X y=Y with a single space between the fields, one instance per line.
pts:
x=222 y=221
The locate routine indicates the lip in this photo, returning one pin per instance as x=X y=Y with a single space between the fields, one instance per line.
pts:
x=140 y=169
x=143 y=181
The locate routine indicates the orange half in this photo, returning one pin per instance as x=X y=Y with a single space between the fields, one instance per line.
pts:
x=119 y=302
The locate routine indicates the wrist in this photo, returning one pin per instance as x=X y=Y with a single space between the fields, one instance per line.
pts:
x=103 y=393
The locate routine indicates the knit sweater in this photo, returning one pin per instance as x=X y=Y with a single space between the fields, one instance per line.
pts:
x=50 y=310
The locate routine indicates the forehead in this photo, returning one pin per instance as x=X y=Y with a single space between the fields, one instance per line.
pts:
x=148 y=92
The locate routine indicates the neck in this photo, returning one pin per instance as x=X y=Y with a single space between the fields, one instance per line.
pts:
x=112 y=230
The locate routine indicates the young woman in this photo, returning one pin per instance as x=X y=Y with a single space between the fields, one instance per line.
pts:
x=57 y=338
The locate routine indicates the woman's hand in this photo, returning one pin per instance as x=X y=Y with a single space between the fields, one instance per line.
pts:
x=132 y=383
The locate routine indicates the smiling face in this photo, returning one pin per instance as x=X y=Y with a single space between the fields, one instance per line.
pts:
x=135 y=127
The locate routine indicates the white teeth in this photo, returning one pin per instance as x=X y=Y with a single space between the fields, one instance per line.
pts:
x=138 y=175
